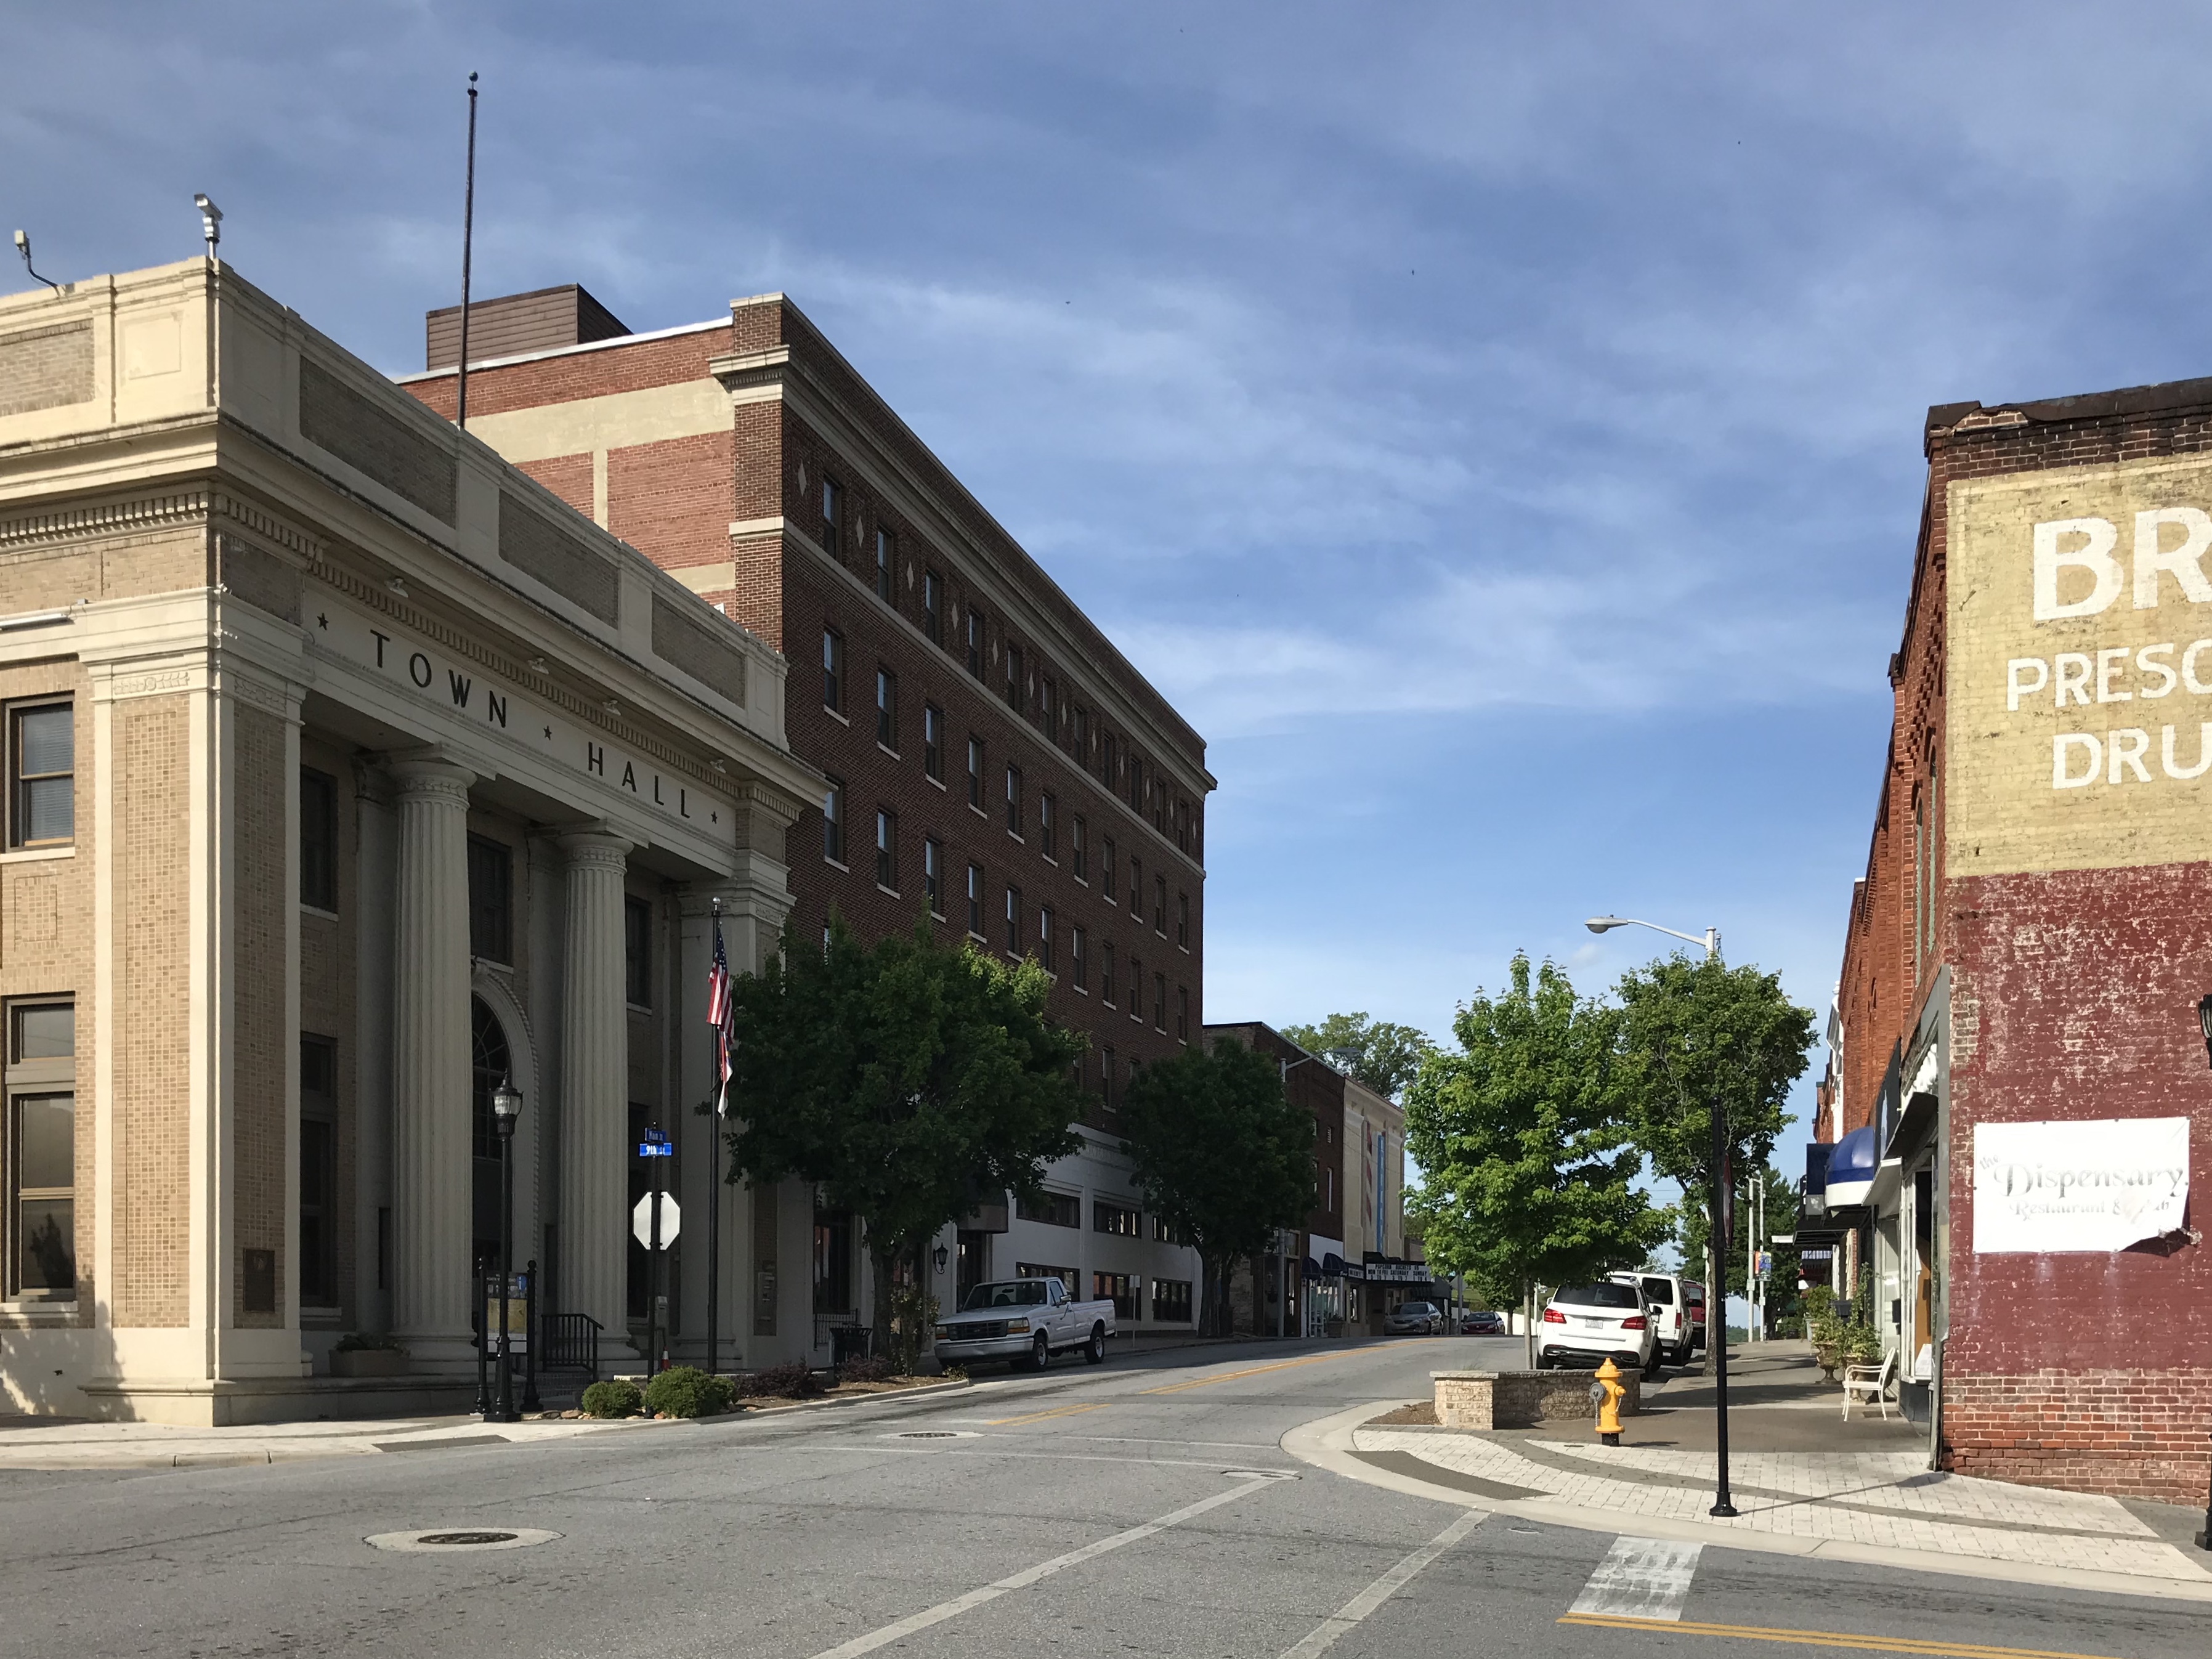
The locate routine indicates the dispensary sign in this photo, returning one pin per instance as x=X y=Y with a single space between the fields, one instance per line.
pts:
x=2041 y=1187
x=2079 y=670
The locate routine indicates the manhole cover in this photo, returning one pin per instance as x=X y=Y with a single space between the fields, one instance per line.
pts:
x=457 y=1541
x=935 y=1434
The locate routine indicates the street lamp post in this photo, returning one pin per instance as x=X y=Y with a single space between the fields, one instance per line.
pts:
x=2204 y=1025
x=506 y=1109
x=1719 y=1189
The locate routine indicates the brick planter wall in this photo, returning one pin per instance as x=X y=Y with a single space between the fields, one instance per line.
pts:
x=2130 y=1434
x=1522 y=1400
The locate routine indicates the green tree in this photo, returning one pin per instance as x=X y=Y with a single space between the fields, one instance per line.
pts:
x=1220 y=1155
x=1387 y=1055
x=1694 y=1033
x=903 y=1077
x=1692 y=1230
x=1527 y=1170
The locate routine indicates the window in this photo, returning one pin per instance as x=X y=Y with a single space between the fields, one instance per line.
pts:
x=886 y=550
x=41 y=1151
x=492 y=901
x=1047 y=830
x=1160 y=906
x=976 y=642
x=975 y=772
x=887 y=709
x=1183 y=1013
x=1037 y=1270
x=1136 y=784
x=1122 y=1287
x=1171 y=1301
x=1014 y=921
x=886 y=849
x=1016 y=694
x=1106 y=872
x=1136 y=990
x=318 y=1219
x=833 y=1262
x=1136 y=887
x=1054 y=1209
x=1159 y=1002
x=1044 y=940
x=932 y=742
x=833 y=823
x=833 y=513
x=1182 y=920
x=833 y=670
x=1106 y=1076
x=933 y=875
x=1122 y=1220
x=1106 y=975
x=1183 y=828
x=319 y=839
x=637 y=952
x=1078 y=848
x=933 y=606
x=41 y=764
x=1162 y=1233
x=1014 y=800
x=1079 y=968
x=1083 y=737
x=1048 y=706
x=975 y=900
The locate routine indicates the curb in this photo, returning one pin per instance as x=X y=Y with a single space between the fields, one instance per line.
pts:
x=1326 y=1444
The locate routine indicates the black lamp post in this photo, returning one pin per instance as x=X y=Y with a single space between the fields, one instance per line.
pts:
x=2204 y=1025
x=1721 y=1187
x=506 y=1109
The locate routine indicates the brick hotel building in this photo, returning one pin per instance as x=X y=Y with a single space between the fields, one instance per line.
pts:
x=2018 y=1099
x=992 y=763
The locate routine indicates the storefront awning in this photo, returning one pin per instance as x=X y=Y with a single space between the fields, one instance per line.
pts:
x=1851 y=1168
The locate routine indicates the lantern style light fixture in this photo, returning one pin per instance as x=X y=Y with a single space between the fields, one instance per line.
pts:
x=939 y=1256
x=506 y=1107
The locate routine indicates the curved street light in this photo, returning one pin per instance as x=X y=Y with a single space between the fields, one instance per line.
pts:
x=1718 y=1185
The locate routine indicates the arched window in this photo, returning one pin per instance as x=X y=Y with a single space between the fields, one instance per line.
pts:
x=488 y=1063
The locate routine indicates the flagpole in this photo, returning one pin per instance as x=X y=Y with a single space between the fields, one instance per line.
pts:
x=715 y=1198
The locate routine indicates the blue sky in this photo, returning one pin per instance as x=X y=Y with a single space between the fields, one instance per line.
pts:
x=1497 y=428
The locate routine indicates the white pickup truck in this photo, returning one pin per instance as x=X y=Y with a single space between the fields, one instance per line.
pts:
x=1026 y=1321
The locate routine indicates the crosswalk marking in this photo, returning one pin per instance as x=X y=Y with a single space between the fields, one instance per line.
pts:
x=1646 y=1578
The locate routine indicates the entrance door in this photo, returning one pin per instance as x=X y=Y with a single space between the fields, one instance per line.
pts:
x=974 y=1265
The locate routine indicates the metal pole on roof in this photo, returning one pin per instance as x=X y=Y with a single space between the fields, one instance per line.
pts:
x=467 y=238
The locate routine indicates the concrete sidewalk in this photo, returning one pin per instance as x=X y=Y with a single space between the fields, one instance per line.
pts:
x=1804 y=1481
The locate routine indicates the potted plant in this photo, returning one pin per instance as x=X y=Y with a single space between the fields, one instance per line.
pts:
x=1825 y=1330
x=368 y=1354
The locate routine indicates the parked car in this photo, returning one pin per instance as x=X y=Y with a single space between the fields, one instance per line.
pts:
x=1694 y=1310
x=1586 y=1324
x=1025 y=1320
x=1482 y=1324
x=1664 y=1295
x=1425 y=1318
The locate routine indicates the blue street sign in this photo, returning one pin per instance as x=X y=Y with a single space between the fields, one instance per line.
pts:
x=658 y=1136
x=651 y=1149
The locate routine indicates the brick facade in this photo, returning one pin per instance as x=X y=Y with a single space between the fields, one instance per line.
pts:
x=2068 y=989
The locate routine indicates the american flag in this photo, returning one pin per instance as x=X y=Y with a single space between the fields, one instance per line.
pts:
x=721 y=1014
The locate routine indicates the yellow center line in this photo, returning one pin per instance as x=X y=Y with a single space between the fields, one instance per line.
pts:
x=1039 y=1416
x=1256 y=1370
x=1825 y=1638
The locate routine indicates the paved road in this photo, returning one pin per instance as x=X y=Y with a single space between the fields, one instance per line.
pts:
x=1141 y=1508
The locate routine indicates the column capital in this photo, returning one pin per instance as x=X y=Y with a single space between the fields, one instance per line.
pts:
x=429 y=773
x=594 y=846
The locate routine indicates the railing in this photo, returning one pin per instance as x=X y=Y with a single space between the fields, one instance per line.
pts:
x=572 y=1343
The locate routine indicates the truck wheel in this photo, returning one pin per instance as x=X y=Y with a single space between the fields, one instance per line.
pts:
x=1094 y=1351
x=1040 y=1353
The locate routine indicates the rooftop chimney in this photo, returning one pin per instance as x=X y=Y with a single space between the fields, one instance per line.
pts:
x=540 y=320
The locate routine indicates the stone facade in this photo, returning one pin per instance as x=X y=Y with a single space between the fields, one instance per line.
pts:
x=1484 y=1400
x=371 y=799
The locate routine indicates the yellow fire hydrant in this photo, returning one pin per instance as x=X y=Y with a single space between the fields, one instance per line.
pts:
x=1608 y=1405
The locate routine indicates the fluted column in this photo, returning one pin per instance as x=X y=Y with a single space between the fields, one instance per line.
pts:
x=594 y=1087
x=431 y=1221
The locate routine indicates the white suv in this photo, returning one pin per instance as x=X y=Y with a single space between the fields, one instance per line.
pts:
x=1586 y=1324
x=1669 y=1298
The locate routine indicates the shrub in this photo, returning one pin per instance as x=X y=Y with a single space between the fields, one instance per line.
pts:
x=687 y=1391
x=613 y=1398
x=369 y=1342
x=866 y=1368
x=792 y=1382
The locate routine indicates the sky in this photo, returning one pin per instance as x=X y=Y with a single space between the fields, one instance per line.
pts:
x=1495 y=428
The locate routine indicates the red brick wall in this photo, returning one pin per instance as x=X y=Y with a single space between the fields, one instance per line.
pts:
x=670 y=501
x=569 y=477
x=2131 y=1433
x=626 y=367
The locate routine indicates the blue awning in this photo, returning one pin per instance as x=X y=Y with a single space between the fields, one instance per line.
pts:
x=1851 y=1168
x=1331 y=1266
x=1309 y=1269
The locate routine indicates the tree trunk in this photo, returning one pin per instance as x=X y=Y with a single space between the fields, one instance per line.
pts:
x=880 y=1337
x=1528 y=1318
